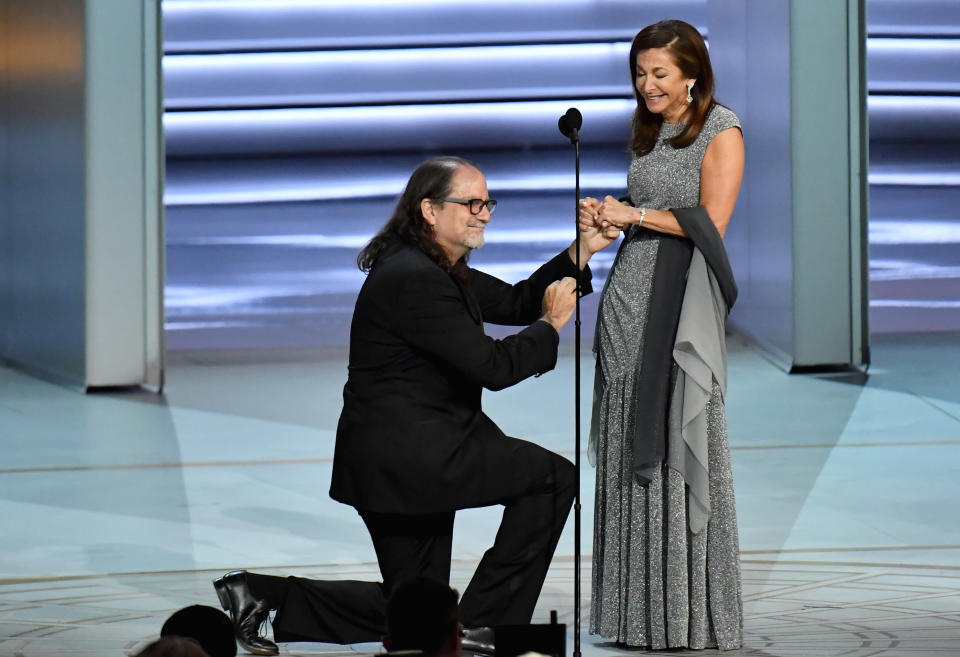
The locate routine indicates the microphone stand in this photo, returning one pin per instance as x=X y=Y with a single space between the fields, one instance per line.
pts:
x=569 y=125
x=576 y=411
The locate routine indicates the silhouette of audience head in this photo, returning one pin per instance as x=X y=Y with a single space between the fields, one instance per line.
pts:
x=207 y=627
x=173 y=646
x=423 y=616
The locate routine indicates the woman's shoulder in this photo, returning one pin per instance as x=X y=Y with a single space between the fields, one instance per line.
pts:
x=720 y=118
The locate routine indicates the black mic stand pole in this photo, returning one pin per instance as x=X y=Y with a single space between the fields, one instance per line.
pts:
x=569 y=125
x=576 y=414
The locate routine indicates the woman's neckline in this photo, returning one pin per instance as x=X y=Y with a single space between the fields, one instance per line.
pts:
x=671 y=128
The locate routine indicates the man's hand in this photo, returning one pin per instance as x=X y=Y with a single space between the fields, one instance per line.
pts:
x=559 y=301
x=589 y=209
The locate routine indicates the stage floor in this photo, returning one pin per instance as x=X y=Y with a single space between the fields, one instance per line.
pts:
x=120 y=508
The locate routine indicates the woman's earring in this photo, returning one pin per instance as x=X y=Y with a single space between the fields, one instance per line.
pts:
x=689 y=88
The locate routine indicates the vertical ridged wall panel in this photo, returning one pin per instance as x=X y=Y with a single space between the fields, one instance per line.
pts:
x=291 y=128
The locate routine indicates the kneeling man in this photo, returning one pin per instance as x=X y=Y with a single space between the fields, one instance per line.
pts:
x=413 y=444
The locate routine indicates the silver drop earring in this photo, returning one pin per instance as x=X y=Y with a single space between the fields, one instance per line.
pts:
x=689 y=88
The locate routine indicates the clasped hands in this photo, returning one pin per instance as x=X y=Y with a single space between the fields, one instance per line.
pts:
x=607 y=217
x=600 y=223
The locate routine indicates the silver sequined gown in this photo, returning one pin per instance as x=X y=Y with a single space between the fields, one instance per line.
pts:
x=655 y=584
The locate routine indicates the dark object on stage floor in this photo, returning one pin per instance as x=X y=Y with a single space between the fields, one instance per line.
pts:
x=246 y=612
x=174 y=646
x=208 y=626
x=548 y=639
x=423 y=615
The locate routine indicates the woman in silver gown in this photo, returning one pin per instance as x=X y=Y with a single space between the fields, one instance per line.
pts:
x=664 y=574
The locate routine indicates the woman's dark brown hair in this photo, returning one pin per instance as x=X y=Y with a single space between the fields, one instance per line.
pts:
x=433 y=180
x=689 y=52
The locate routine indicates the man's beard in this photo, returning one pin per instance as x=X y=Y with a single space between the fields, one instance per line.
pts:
x=473 y=241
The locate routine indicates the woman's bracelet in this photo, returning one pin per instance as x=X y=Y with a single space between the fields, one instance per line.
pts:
x=643 y=213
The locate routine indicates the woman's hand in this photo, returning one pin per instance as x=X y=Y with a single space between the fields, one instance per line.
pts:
x=614 y=213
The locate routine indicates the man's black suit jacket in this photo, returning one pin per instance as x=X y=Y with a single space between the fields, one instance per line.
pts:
x=412 y=430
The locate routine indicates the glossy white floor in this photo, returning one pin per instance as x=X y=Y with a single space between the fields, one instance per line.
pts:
x=118 y=509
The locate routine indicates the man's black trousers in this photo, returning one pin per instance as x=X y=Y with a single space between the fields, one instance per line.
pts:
x=536 y=488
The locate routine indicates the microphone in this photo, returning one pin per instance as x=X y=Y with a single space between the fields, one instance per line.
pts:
x=570 y=123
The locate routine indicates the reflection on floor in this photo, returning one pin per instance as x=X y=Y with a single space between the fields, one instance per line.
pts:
x=120 y=508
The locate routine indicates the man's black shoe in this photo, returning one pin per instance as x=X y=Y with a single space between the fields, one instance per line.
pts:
x=246 y=612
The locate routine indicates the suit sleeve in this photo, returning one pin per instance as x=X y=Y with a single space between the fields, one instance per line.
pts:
x=433 y=317
x=521 y=303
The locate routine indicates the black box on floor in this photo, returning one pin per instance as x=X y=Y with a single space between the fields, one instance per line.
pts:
x=513 y=640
